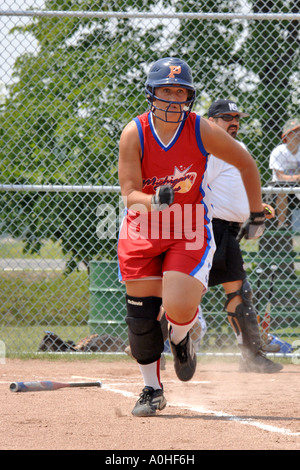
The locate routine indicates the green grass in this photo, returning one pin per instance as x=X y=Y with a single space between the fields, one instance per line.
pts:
x=103 y=357
x=13 y=248
x=32 y=302
x=29 y=298
x=26 y=339
x=253 y=245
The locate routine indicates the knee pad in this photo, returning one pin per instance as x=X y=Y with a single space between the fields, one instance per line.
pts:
x=244 y=318
x=144 y=330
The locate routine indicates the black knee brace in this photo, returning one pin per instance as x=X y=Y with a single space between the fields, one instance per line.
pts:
x=244 y=318
x=144 y=330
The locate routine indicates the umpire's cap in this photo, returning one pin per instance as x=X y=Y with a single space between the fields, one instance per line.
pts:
x=224 y=107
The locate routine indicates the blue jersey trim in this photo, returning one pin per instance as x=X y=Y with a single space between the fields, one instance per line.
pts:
x=141 y=135
x=206 y=225
x=198 y=136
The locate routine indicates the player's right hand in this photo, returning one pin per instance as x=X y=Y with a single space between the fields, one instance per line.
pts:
x=163 y=197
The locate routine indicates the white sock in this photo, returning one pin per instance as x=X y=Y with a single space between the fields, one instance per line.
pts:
x=179 y=331
x=151 y=374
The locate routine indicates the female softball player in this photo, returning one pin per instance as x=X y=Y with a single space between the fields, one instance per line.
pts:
x=166 y=243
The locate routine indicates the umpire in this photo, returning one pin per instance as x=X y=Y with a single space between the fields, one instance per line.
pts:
x=231 y=209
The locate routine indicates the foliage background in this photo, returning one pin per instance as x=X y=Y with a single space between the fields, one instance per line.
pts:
x=62 y=117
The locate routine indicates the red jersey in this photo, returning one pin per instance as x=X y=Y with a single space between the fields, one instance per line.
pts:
x=182 y=164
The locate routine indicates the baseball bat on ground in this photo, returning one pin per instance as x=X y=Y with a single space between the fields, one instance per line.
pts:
x=42 y=386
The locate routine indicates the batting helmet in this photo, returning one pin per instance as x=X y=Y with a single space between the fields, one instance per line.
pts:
x=170 y=71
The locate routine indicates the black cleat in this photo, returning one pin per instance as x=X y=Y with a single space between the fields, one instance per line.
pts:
x=185 y=359
x=259 y=363
x=149 y=402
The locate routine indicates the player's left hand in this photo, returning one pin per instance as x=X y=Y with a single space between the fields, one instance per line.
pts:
x=253 y=228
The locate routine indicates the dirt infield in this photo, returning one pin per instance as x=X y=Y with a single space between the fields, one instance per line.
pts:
x=220 y=409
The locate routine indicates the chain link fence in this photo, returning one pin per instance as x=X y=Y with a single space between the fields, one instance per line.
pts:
x=71 y=76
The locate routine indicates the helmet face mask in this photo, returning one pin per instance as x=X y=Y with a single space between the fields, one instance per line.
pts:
x=170 y=71
x=166 y=114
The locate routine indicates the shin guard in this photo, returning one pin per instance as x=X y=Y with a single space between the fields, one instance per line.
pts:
x=244 y=319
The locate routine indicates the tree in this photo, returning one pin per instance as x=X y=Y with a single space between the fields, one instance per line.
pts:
x=271 y=52
x=62 y=118
x=253 y=62
x=61 y=122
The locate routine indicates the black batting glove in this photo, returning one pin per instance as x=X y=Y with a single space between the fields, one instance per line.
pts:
x=163 y=197
x=253 y=228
